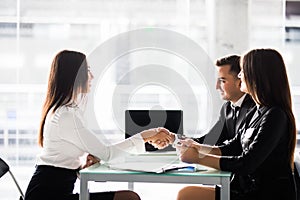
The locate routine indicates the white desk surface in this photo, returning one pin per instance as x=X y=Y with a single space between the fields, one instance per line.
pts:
x=105 y=170
x=102 y=173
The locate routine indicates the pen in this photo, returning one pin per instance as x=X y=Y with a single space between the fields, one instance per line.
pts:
x=188 y=169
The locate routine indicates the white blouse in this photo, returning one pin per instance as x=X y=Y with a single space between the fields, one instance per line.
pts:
x=66 y=139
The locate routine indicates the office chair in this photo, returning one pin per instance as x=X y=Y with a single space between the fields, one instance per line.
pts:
x=5 y=168
x=297 y=172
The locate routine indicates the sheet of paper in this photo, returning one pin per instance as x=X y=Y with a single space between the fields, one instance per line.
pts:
x=154 y=167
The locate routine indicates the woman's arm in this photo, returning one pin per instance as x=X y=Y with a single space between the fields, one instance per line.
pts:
x=270 y=133
x=193 y=152
x=75 y=132
x=192 y=155
x=202 y=148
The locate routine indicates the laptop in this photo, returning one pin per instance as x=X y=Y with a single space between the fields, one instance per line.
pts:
x=139 y=120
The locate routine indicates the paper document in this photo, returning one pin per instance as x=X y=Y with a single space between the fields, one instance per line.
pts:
x=154 y=167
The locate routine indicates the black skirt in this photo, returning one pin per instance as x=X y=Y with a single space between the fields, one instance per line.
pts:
x=56 y=183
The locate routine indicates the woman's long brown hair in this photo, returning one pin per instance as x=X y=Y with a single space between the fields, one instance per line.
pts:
x=267 y=82
x=68 y=77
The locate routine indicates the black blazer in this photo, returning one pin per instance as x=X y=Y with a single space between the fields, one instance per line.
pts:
x=223 y=129
x=258 y=157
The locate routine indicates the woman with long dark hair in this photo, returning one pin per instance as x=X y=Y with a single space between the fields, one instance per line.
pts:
x=261 y=155
x=64 y=137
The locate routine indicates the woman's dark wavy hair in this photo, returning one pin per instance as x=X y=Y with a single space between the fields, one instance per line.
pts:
x=267 y=82
x=68 y=78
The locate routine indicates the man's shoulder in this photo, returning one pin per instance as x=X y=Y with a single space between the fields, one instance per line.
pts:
x=225 y=105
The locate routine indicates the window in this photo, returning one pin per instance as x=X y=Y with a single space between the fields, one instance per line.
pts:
x=32 y=32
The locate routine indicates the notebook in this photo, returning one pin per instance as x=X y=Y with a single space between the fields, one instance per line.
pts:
x=153 y=167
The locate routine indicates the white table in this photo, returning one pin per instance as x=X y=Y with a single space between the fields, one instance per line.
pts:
x=103 y=173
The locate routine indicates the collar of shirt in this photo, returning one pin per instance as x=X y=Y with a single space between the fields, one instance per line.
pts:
x=239 y=102
x=258 y=111
x=261 y=109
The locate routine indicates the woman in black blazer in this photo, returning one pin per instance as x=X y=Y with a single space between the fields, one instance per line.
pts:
x=261 y=155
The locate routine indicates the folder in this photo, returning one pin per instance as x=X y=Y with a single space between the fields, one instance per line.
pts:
x=154 y=167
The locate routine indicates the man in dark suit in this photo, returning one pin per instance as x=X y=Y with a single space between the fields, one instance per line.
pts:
x=236 y=106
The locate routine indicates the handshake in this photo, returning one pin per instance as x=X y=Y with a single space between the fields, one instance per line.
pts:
x=161 y=138
x=158 y=137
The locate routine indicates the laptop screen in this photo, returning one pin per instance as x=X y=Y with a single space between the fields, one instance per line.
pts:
x=139 y=120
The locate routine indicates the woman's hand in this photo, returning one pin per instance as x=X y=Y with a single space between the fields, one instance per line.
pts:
x=201 y=148
x=158 y=137
x=188 y=154
x=189 y=151
x=191 y=143
x=90 y=160
x=193 y=152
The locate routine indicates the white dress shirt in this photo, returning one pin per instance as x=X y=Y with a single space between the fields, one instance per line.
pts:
x=238 y=104
x=66 y=139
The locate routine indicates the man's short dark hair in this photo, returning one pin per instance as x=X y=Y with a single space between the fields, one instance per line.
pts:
x=233 y=61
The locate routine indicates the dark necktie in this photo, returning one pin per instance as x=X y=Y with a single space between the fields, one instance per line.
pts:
x=235 y=110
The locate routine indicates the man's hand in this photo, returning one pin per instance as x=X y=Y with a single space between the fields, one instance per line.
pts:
x=162 y=139
x=201 y=148
x=158 y=137
x=190 y=143
x=90 y=160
